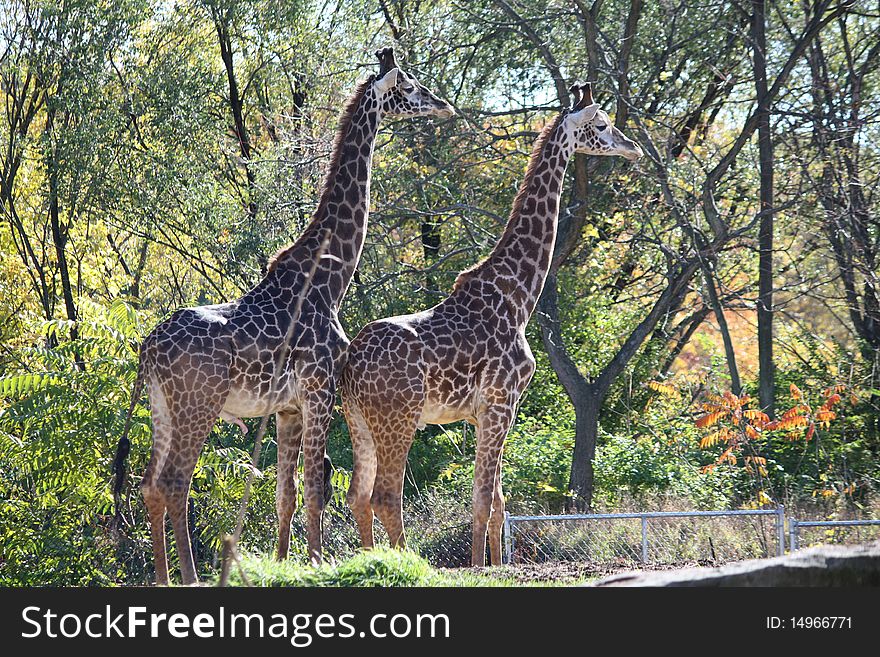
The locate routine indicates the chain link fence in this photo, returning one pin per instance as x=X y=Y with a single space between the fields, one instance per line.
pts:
x=633 y=538
x=438 y=527
x=808 y=533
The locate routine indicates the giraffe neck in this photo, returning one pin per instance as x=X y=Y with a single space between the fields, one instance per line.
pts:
x=520 y=261
x=344 y=206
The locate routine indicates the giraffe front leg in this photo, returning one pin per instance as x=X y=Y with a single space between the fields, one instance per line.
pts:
x=290 y=436
x=493 y=424
x=496 y=520
x=317 y=409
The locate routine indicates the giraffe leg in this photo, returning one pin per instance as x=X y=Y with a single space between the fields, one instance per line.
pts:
x=155 y=503
x=176 y=478
x=317 y=408
x=493 y=424
x=290 y=435
x=363 y=473
x=392 y=447
x=176 y=483
x=154 y=497
x=496 y=519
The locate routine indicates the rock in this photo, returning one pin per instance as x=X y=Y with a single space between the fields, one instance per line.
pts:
x=850 y=565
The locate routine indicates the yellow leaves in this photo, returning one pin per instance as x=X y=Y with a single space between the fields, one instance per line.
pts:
x=729 y=422
x=824 y=418
x=736 y=402
x=756 y=464
x=799 y=409
x=664 y=389
x=830 y=402
x=789 y=423
x=764 y=499
x=449 y=472
x=758 y=418
x=710 y=419
x=727 y=456
x=590 y=232
x=714 y=438
x=834 y=390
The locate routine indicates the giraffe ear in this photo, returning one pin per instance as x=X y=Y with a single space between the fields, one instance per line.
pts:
x=388 y=81
x=587 y=114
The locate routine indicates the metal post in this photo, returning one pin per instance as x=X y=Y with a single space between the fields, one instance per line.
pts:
x=792 y=535
x=508 y=539
x=644 y=539
x=780 y=530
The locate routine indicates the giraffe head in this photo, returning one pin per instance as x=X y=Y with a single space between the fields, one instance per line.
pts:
x=592 y=130
x=401 y=95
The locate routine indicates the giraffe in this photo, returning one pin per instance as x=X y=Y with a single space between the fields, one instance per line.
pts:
x=219 y=360
x=466 y=358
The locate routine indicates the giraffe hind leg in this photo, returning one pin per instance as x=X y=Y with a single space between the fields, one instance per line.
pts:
x=176 y=478
x=392 y=443
x=180 y=428
x=364 y=471
x=154 y=497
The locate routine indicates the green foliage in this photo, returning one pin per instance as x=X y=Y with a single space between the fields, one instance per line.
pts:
x=58 y=430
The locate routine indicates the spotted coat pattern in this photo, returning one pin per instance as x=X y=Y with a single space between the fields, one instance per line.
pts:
x=219 y=361
x=466 y=358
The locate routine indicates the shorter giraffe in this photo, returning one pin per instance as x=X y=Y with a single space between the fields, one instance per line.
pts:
x=466 y=358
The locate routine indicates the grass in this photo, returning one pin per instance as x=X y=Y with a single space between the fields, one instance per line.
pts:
x=379 y=567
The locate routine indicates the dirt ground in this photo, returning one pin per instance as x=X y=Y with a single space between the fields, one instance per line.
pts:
x=563 y=572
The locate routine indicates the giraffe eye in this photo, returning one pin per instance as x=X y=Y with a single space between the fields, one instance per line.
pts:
x=601 y=126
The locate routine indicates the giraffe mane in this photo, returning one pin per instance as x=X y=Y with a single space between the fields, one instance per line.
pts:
x=518 y=201
x=344 y=124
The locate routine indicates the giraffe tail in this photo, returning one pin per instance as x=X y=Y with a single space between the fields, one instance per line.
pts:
x=124 y=445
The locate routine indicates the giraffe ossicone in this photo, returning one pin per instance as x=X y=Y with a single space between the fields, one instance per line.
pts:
x=220 y=360
x=467 y=358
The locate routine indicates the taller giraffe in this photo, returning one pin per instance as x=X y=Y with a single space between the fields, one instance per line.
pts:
x=219 y=361
x=466 y=358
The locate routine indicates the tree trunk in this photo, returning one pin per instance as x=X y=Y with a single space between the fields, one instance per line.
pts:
x=236 y=106
x=59 y=233
x=766 y=377
x=580 y=483
x=431 y=250
x=581 y=392
x=718 y=309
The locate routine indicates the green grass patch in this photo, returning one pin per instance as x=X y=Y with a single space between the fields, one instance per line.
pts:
x=379 y=567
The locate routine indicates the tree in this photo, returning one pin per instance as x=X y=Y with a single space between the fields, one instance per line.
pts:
x=765 y=225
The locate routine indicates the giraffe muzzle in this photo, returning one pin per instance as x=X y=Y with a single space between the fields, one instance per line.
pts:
x=446 y=112
x=633 y=153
